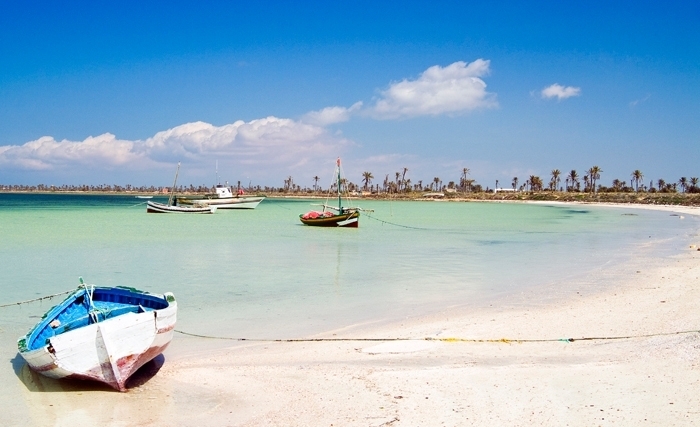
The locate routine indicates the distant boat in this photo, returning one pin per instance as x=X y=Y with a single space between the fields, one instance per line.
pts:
x=332 y=216
x=100 y=333
x=144 y=197
x=223 y=198
x=155 y=207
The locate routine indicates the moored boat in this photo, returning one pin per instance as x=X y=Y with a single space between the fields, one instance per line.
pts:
x=223 y=198
x=100 y=333
x=155 y=207
x=332 y=216
x=171 y=207
x=349 y=218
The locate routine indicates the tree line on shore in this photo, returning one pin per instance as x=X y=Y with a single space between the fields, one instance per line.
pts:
x=573 y=182
x=400 y=183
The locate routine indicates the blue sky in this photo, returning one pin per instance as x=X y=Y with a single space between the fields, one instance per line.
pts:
x=119 y=93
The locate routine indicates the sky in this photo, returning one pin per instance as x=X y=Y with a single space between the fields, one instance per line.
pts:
x=120 y=92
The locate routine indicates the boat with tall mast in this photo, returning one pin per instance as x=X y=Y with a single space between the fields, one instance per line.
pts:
x=334 y=216
x=171 y=207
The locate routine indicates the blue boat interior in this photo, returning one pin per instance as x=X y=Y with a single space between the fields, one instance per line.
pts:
x=88 y=306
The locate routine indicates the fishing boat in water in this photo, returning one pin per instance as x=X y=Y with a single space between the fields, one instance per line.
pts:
x=155 y=207
x=100 y=333
x=334 y=216
x=171 y=207
x=223 y=198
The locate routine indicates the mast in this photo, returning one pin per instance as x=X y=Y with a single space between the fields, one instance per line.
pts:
x=340 y=207
x=172 y=193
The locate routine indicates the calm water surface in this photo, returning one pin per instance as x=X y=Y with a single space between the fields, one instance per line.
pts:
x=262 y=274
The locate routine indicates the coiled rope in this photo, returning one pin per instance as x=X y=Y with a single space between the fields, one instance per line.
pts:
x=452 y=339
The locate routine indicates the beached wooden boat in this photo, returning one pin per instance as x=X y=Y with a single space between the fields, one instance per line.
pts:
x=171 y=207
x=334 y=216
x=223 y=198
x=100 y=333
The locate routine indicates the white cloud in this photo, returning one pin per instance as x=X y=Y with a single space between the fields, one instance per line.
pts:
x=331 y=115
x=270 y=141
x=47 y=153
x=439 y=90
x=560 y=92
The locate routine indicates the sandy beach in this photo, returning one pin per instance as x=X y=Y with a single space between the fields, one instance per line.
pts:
x=527 y=371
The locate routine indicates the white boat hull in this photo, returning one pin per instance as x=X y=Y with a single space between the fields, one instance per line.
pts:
x=109 y=351
x=227 y=203
x=155 y=207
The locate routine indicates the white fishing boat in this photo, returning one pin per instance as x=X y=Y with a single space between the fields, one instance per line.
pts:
x=223 y=198
x=170 y=207
x=155 y=207
x=100 y=333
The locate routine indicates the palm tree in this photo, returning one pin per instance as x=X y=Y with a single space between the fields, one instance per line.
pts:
x=694 y=183
x=465 y=172
x=554 y=182
x=288 y=183
x=496 y=184
x=403 y=176
x=436 y=180
x=661 y=183
x=594 y=175
x=540 y=183
x=617 y=184
x=398 y=183
x=683 y=182
x=316 y=178
x=535 y=183
x=515 y=182
x=367 y=177
x=468 y=183
x=573 y=178
x=637 y=177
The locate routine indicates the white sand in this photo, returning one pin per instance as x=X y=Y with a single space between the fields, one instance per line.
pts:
x=639 y=381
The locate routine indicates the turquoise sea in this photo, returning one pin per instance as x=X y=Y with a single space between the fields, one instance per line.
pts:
x=262 y=274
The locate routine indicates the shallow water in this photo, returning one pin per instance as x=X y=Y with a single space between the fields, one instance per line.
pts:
x=262 y=274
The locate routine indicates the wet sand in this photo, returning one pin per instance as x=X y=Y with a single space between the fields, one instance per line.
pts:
x=652 y=378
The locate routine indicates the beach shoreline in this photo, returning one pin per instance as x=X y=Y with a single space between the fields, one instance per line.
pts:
x=534 y=365
x=604 y=198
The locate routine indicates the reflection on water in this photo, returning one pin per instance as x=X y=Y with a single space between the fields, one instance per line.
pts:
x=260 y=273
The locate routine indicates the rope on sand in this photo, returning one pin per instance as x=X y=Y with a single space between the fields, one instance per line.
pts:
x=35 y=299
x=465 y=340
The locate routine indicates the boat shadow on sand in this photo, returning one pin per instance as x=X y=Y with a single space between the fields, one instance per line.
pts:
x=36 y=382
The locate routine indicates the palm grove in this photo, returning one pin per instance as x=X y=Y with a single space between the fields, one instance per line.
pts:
x=401 y=183
x=573 y=181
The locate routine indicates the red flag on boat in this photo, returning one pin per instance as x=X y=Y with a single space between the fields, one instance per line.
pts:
x=337 y=162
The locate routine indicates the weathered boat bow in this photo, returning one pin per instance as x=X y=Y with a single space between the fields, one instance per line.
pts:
x=100 y=333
